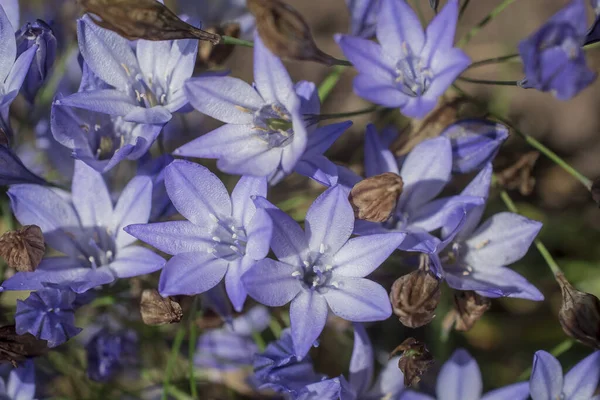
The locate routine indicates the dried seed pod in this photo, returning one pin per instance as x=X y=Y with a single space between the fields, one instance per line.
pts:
x=414 y=298
x=470 y=307
x=374 y=199
x=579 y=314
x=210 y=55
x=23 y=249
x=414 y=361
x=16 y=348
x=143 y=19
x=158 y=310
x=595 y=189
x=285 y=32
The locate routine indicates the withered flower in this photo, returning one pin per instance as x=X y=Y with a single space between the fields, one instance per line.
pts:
x=211 y=55
x=285 y=32
x=595 y=189
x=143 y=19
x=23 y=249
x=414 y=361
x=374 y=199
x=16 y=348
x=579 y=314
x=469 y=308
x=519 y=175
x=414 y=298
x=158 y=310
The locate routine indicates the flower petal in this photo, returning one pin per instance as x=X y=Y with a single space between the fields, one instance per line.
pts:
x=106 y=101
x=173 y=237
x=181 y=62
x=308 y=314
x=133 y=207
x=459 y=378
x=136 y=260
x=367 y=57
x=440 y=31
x=271 y=282
x=271 y=78
x=21 y=381
x=358 y=299
x=582 y=380
x=516 y=391
x=361 y=363
x=399 y=29
x=191 y=273
x=19 y=70
x=241 y=197
x=378 y=158
x=546 y=377
x=362 y=255
x=379 y=91
x=259 y=232
x=90 y=197
x=8 y=45
x=233 y=281
x=323 y=137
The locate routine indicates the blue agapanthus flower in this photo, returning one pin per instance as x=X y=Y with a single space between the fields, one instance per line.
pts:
x=21 y=383
x=409 y=68
x=547 y=381
x=268 y=128
x=48 y=314
x=553 y=57
x=460 y=379
x=474 y=255
x=146 y=86
x=88 y=229
x=109 y=352
x=321 y=268
x=363 y=17
x=221 y=239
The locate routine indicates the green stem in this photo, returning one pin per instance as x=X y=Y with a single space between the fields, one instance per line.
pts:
x=488 y=18
x=235 y=41
x=557 y=351
x=486 y=82
x=192 y=347
x=463 y=8
x=330 y=81
x=322 y=117
x=494 y=60
x=275 y=328
x=171 y=362
x=538 y=243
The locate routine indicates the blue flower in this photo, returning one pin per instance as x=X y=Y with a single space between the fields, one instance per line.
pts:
x=547 y=380
x=553 y=57
x=155 y=169
x=87 y=228
x=321 y=268
x=409 y=68
x=460 y=379
x=222 y=238
x=593 y=33
x=363 y=17
x=267 y=130
x=474 y=255
x=48 y=314
x=37 y=33
x=109 y=352
x=14 y=171
x=146 y=86
x=21 y=383
x=475 y=142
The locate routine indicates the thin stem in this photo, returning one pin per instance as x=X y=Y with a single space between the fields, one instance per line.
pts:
x=538 y=243
x=557 y=351
x=486 y=82
x=235 y=41
x=463 y=8
x=488 y=18
x=192 y=346
x=494 y=60
x=171 y=362
x=275 y=328
x=330 y=81
x=322 y=117
x=533 y=142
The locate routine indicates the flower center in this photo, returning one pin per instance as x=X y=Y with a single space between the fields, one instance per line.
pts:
x=148 y=92
x=413 y=77
x=273 y=124
x=100 y=249
x=316 y=271
x=229 y=240
x=107 y=135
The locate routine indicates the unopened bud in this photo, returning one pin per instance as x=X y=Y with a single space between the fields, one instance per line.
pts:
x=595 y=189
x=285 y=32
x=23 y=249
x=579 y=314
x=210 y=55
x=158 y=310
x=469 y=308
x=374 y=199
x=414 y=361
x=143 y=19
x=414 y=298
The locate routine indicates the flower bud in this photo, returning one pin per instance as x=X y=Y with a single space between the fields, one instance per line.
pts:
x=414 y=361
x=469 y=308
x=210 y=55
x=519 y=174
x=143 y=19
x=23 y=249
x=37 y=33
x=374 y=199
x=158 y=310
x=579 y=314
x=284 y=31
x=414 y=298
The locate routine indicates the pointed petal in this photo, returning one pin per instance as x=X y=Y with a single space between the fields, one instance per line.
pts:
x=90 y=197
x=227 y=99
x=11 y=8
x=106 y=101
x=410 y=395
x=233 y=281
x=181 y=62
x=289 y=241
x=329 y=221
x=399 y=29
x=241 y=197
x=447 y=67
x=133 y=207
x=390 y=382
x=8 y=45
x=271 y=78
x=379 y=91
x=151 y=57
x=173 y=237
x=362 y=255
x=271 y=282
x=501 y=240
x=419 y=107
x=459 y=378
x=358 y=299
x=440 y=31
x=546 y=377
x=361 y=363
x=309 y=97
x=259 y=232
x=308 y=314
x=153 y=115
x=136 y=260
x=323 y=137
x=19 y=70
x=378 y=158
x=21 y=382
x=319 y=169
x=191 y=273
x=424 y=179
x=582 y=380
x=196 y=192
x=516 y=391
x=367 y=57
x=14 y=171
x=256 y=159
